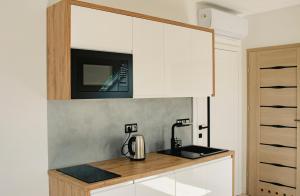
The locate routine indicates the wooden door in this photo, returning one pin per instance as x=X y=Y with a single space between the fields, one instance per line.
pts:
x=273 y=132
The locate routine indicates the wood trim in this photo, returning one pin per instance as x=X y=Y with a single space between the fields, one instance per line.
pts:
x=298 y=127
x=233 y=173
x=61 y=187
x=274 y=47
x=58 y=50
x=253 y=115
x=138 y=15
x=213 y=65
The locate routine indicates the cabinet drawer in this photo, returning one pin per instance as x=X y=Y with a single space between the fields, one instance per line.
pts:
x=282 y=175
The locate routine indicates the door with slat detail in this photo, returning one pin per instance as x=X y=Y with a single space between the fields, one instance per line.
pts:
x=273 y=132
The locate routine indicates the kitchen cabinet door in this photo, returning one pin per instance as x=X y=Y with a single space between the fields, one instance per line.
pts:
x=161 y=185
x=213 y=178
x=116 y=190
x=201 y=61
x=102 y=31
x=192 y=181
x=219 y=177
x=148 y=59
x=176 y=61
x=188 y=61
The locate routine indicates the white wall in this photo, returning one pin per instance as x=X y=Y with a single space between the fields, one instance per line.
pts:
x=274 y=28
x=23 y=126
x=268 y=29
x=179 y=10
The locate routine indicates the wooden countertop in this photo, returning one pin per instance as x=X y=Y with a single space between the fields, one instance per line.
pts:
x=131 y=170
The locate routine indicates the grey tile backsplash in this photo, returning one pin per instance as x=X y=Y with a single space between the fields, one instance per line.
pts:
x=82 y=131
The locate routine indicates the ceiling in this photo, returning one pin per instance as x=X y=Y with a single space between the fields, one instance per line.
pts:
x=248 y=7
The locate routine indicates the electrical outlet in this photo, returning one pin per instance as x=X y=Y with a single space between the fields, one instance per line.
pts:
x=183 y=121
x=131 y=128
x=200 y=135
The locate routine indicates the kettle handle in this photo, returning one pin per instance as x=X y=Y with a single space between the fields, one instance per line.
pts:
x=130 y=142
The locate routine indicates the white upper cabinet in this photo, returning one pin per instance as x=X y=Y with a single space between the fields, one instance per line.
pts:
x=188 y=61
x=148 y=59
x=176 y=60
x=168 y=60
x=98 y=30
x=201 y=61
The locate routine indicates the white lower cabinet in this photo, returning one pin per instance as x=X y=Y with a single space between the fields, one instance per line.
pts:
x=161 y=185
x=125 y=189
x=191 y=181
x=213 y=178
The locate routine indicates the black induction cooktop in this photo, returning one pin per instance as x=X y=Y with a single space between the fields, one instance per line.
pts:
x=88 y=174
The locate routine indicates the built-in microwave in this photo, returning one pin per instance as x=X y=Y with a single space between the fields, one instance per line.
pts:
x=97 y=74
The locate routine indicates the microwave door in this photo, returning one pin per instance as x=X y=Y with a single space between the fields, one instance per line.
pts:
x=111 y=84
x=101 y=74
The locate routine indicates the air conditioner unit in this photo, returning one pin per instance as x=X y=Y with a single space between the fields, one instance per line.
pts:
x=224 y=23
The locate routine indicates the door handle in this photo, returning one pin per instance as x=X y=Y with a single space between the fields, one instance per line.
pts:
x=297 y=120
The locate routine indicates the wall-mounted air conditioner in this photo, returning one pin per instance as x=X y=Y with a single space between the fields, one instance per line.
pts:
x=224 y=23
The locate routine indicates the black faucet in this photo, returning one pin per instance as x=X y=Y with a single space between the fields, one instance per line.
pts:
x=175 y=142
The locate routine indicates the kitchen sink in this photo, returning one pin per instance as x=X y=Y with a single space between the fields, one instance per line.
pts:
x=192 y=152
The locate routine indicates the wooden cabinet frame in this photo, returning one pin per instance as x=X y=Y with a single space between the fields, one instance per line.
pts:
x=59 y=43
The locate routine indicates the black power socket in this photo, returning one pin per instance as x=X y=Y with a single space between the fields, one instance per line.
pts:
x=131 y=128
x=183 y=121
